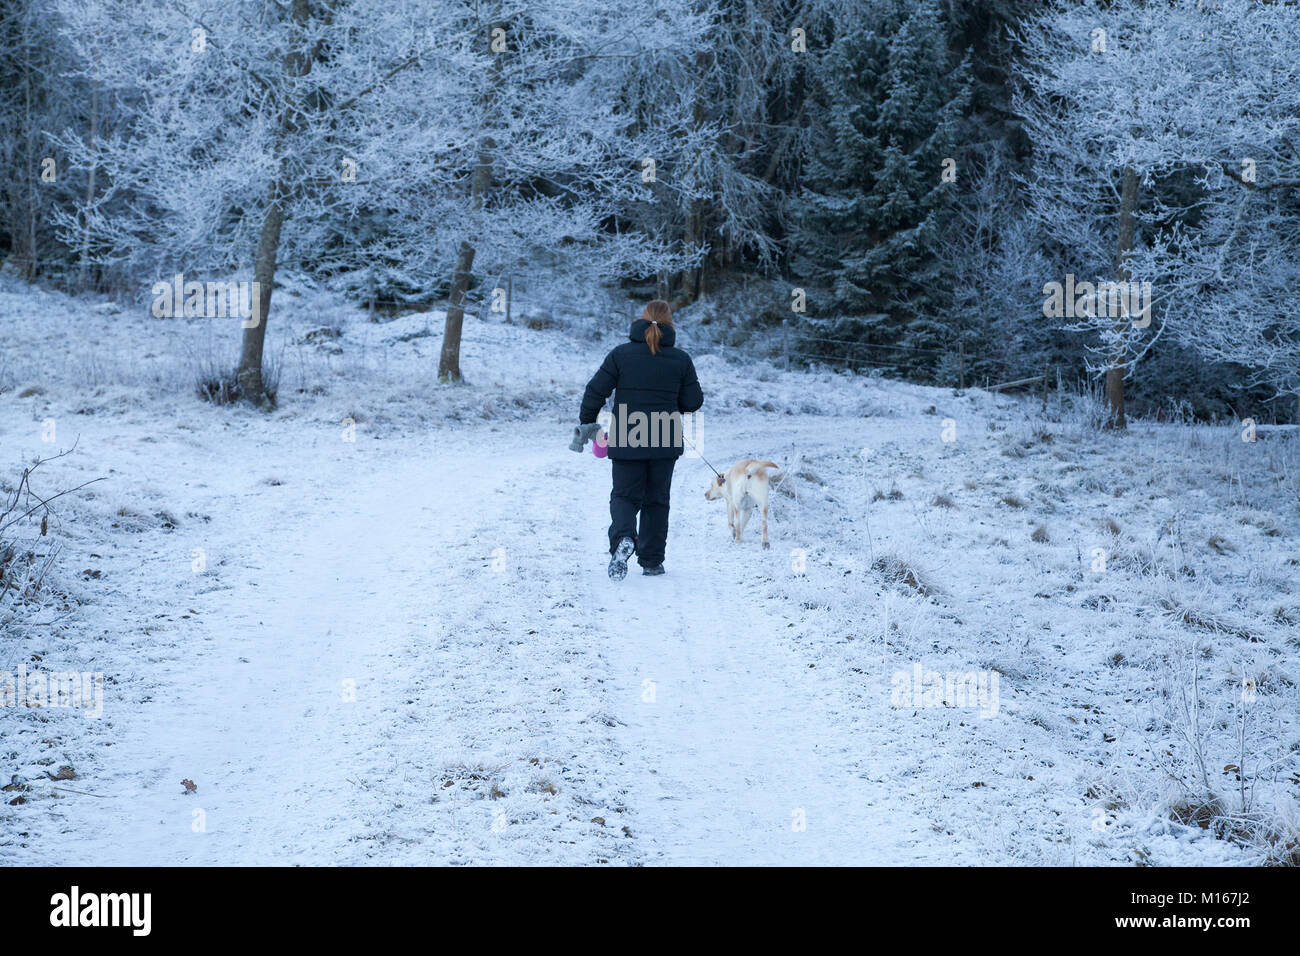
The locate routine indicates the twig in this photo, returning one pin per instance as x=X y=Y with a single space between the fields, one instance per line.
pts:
x=51 y=498
x=24 y=480
x=54 y=620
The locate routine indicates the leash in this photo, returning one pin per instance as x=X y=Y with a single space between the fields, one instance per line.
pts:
x=702 y=458
x=781 y=478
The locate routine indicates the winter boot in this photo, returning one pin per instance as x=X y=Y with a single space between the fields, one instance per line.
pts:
x=618 y=560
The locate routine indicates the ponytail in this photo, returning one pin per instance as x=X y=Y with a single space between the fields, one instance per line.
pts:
x=657 y=313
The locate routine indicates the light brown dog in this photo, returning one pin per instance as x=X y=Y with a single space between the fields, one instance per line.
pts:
x=744 y=487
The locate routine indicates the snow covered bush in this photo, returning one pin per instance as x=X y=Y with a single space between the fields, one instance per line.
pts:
x=26 y=554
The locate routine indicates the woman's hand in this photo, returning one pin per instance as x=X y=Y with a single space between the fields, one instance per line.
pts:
x=583 y=434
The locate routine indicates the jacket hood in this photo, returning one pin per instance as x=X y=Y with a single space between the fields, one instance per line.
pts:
x=667 y=334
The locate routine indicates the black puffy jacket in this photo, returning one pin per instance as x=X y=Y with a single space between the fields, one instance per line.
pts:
x=650 y=392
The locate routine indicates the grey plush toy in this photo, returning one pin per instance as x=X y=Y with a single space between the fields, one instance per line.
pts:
x=583 y=434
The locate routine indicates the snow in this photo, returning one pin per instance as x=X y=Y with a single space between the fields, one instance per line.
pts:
x=404 y=649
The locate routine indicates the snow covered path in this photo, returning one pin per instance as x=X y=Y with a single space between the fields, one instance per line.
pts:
x=736 y=752
x=741 y=756
x=409 y=657
x=404 y=650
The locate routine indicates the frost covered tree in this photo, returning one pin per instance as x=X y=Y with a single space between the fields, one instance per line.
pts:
x=348 y=138
x=868 y=221
x=996 y=306
x=1097 y=135
x=1225 y=247
x=1162 y=138
x=224 y=141
x=38 y=102
x=737 y=110
x=550 y=156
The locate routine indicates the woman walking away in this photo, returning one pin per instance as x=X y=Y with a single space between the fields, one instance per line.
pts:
x=653 y=385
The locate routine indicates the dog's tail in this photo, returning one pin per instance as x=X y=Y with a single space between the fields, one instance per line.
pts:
x=762 y=464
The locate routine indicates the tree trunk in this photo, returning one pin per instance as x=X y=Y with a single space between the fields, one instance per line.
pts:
x=1115 y=371
x=688 y=280
x=84 y=272
x=251 y=385
x=449 y=360
x=33 y=196
x=480 y=183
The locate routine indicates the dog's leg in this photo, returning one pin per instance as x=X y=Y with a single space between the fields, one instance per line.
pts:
x=766 y=544
x=744 y=520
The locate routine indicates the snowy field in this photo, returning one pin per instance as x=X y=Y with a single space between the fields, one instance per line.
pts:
x=403 y=648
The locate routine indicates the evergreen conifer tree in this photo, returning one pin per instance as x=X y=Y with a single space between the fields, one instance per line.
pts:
x=888 y=111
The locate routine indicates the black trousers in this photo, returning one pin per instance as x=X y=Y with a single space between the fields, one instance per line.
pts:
x=641 y=486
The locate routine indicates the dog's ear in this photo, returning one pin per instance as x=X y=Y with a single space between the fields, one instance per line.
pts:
x=721 y=481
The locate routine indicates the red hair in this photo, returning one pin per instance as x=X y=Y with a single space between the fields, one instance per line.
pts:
x=657 y=313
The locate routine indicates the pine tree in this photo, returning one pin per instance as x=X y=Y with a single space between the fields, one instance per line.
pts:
x=866 y=225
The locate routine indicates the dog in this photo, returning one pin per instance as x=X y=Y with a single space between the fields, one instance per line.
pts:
x=744 y=487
